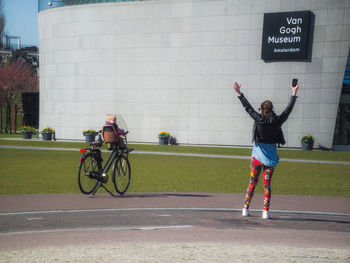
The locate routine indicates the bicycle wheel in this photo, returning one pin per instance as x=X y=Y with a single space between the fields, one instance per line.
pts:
x=87 y=171
x=121 y=174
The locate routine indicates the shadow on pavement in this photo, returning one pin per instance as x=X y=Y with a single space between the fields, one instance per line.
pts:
x=152 y=195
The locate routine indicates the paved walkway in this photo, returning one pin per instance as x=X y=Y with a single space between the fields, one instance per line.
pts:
x=39 y=202
x=159 y=227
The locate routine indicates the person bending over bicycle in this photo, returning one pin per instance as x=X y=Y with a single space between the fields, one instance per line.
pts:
x=111 y=120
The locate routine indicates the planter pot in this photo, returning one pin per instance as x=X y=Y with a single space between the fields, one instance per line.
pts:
x=307 y=145
x=90 y=138
x=164 y=141
x=27 y=135
x=47 y=136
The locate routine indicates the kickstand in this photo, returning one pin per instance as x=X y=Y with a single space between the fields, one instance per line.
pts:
x=100 y=184
x=108 y=191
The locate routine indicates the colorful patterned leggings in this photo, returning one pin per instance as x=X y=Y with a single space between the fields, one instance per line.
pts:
x=255 y=171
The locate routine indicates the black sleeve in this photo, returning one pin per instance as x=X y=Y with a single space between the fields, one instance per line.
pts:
x=284 y=116
x=249 y=109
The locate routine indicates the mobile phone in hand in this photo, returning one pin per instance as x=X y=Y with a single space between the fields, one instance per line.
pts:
x=294 y=82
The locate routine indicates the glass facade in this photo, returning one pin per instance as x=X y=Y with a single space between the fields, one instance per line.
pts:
x=342 y=127
x=46 y=4
x=12 y=42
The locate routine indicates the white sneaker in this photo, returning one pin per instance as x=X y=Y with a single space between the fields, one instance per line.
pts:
x=266 y=215
x=245 y=212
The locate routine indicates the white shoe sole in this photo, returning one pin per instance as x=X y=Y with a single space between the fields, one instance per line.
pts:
x=245 y=213
x=266 y=216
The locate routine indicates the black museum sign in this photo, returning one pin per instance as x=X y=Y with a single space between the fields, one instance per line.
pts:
x=287 y=36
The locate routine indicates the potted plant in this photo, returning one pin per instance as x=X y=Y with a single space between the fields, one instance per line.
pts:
x=89 y=135
x=37 y=132
x=164 y=137
x=27 y=132
x=47 y=133
x=307 y=142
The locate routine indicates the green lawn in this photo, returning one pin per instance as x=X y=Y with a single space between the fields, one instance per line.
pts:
x=47 y=171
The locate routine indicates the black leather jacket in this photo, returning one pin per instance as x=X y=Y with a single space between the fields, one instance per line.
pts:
x=268 y=130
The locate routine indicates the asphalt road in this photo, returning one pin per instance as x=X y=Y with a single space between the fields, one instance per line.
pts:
x=62 y=219
x=162 y=218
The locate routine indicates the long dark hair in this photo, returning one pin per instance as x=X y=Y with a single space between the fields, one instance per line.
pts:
x=266 y=108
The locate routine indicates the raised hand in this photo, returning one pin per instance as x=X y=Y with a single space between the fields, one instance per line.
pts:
x=237 y=88
x=294 y=90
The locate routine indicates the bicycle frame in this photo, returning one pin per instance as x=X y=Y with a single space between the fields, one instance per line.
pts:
x=111 y=158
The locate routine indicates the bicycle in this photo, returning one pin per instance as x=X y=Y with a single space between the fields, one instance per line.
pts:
x=92 y=175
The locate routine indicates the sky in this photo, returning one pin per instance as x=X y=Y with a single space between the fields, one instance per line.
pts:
x=21 y=19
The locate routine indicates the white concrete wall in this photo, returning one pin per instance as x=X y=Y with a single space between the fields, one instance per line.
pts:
x=170 y=65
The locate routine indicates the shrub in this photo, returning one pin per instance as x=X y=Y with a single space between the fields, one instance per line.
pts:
x=307 y=138
x=89 y=132
x=47 y=130
x=163 y=134
x=27 y=129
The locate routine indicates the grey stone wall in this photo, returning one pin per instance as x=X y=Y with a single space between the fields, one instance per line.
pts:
x=170 y=65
